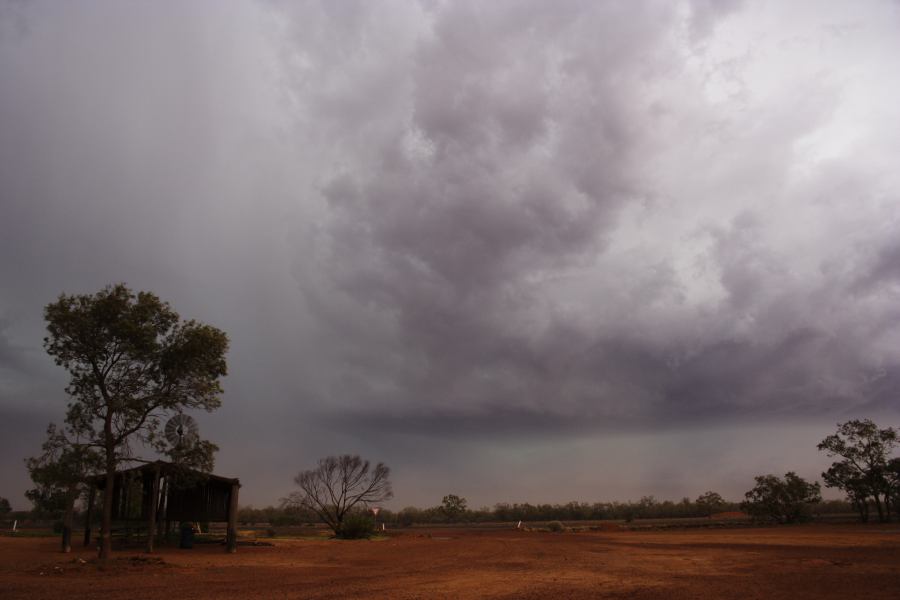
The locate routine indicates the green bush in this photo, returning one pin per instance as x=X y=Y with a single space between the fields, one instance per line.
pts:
x=785 y=500
x=556 y=526
x=356 y=527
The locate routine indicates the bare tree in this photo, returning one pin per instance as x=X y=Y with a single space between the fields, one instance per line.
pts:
x=337 y=485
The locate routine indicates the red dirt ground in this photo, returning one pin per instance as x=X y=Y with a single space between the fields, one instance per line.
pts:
x=815 y=561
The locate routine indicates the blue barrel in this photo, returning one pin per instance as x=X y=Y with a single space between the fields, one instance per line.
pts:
x=187 y=536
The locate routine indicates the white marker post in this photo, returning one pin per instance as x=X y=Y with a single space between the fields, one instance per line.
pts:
x=375 y=510
x=15 y=524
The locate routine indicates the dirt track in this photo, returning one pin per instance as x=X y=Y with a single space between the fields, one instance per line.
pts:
x=789 y=562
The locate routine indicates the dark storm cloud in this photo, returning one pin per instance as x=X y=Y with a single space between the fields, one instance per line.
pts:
x=519 y=229
x=512 y=164
x=520 y=136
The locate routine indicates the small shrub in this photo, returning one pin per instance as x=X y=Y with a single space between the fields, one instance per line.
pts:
x=356 y=527
x=556 y=527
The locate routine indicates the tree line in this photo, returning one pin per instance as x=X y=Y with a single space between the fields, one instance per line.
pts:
x=866 y=470
x=645 y=508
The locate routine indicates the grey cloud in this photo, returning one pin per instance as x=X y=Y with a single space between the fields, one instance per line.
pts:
x=704 y=14
x=531 y=135
x=517 y=228
x=883 y=268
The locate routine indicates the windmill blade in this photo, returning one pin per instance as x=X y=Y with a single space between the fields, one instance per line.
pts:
x=181 y=430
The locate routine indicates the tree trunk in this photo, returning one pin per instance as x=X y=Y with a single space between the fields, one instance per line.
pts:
x=106 y=520
x=71 y=495
x=879 y=508
x=89 y=515
x=863 y=508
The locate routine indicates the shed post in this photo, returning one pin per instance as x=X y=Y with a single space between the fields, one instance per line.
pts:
x=89 y=515
x=162 y=521
x=151 y=517
x=231 y=537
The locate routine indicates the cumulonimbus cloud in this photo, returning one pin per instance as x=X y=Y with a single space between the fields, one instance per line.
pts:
x=588 y=212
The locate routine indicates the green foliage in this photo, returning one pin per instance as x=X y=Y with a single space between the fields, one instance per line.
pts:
x=785 y=500
x=60 y=470
x=868 y=472
x=453 y=507
x=556 y=526
x=189 y=458
x=710 y=503
x=356 y=526
x=47 y=503
x=132 y=362
x=5 y=507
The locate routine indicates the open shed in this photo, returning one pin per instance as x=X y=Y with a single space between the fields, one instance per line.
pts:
x=159 y=493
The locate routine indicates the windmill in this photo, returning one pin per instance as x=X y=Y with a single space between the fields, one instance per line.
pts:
x=182 y=431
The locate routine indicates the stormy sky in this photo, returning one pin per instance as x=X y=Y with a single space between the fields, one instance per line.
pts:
x=518 y=250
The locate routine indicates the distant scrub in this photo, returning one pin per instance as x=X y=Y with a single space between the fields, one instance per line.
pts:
x=645 y=508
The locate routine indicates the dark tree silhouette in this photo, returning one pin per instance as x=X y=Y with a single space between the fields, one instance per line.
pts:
x=453 y=507
x=132 y=362
x=59 y=473
x=710 y=502
x=784 y=500
x=866 y=471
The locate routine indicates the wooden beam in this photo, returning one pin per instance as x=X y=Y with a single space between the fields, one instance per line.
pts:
x=161 y=519
x=231 y=537
x=151 y=517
